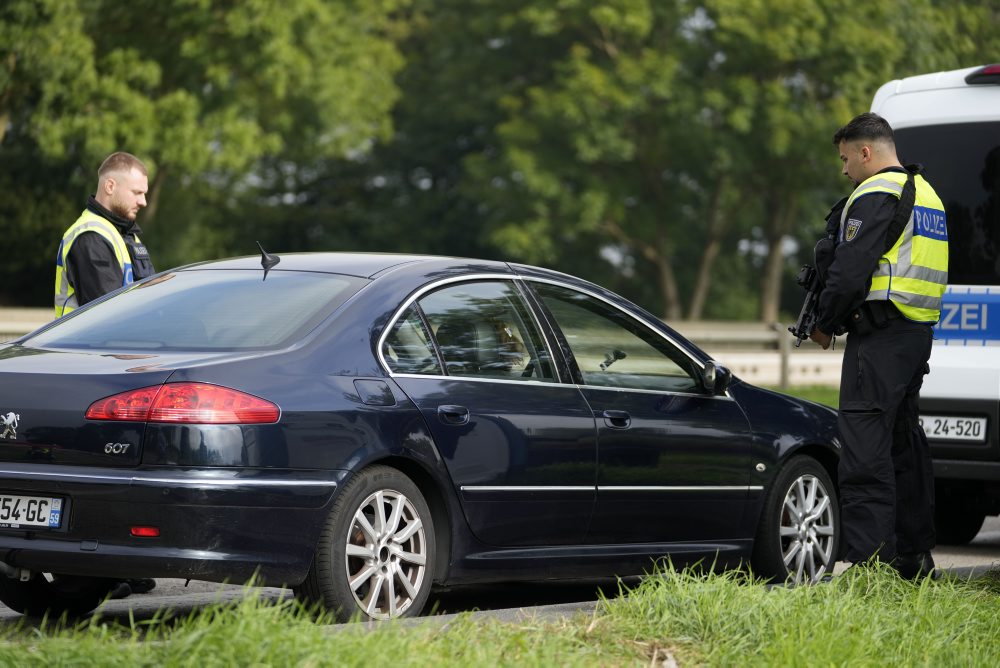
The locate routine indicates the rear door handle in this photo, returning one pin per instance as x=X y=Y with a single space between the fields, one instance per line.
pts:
x=453 y=415
x=617 y=419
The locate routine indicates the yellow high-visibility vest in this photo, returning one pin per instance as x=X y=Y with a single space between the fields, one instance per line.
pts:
x=87 y=222
x=913 y=273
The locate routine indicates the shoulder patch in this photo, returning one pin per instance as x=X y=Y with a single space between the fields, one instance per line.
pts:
x=851 y=229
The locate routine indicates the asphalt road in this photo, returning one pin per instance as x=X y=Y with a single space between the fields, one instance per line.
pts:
x=507 y=601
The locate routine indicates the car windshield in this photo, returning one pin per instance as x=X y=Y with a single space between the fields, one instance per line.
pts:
x=204 y=309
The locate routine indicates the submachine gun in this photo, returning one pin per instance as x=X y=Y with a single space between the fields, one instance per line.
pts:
x=811 y=278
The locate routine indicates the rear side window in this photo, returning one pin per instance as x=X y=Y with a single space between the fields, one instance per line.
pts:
x=485 y=330
x=223 y=310
x=962 y=162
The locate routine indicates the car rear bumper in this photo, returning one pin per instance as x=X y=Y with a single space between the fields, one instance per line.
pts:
x=214 y=524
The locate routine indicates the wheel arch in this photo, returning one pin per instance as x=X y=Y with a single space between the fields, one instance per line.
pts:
x=435 y=498
x=821 y=453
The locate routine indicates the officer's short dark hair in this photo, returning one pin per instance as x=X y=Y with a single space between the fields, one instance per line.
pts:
x=866 y=126
x=121 y=162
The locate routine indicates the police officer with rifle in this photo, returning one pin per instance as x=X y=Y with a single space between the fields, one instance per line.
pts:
x=881 y=279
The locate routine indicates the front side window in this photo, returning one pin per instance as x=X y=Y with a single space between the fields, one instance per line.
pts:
x=613 y=349
x=485 y=330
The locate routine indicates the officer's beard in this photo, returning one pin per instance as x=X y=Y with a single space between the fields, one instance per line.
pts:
x=121 y=210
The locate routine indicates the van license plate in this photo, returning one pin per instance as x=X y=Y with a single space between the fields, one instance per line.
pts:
x=20 y=512
x=941 y=428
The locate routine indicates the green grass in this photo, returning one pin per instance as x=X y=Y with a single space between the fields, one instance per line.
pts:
x=821 y=394
x=859 y=619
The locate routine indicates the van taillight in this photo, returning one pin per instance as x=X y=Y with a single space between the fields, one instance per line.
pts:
x=188 y=403
x=984 y=75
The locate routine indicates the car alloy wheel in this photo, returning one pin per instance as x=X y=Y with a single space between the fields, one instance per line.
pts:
x=807 y=530
x=799 y=527
x=375 y=556
x=386 y=554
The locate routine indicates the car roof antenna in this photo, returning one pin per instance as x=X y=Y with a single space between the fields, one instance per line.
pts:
x=267 y=260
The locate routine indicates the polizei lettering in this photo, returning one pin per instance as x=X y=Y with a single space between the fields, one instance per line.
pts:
x=964 y=317
x=929 y=223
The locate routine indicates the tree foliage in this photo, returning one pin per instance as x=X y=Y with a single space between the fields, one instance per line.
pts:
x=203 y=90
x=676 y=151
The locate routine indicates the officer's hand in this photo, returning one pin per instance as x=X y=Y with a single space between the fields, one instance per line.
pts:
x=821 y=337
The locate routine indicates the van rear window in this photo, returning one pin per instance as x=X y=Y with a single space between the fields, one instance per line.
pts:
x=962 y=162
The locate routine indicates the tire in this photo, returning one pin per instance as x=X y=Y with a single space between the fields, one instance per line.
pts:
x=956 y=523
x=54 y=594
x=376 y=552
x=799 y=531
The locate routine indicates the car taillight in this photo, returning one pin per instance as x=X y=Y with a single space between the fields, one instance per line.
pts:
x=990 y=74
x=191 y=403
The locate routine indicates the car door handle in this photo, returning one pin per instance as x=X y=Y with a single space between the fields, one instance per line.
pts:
x=455 y=415
x=617 y=419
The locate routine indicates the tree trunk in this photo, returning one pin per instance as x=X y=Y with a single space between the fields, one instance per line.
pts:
x=672 y=308
x=784 y=206
x=668 y=288
x=153 y=196
x=713 y=242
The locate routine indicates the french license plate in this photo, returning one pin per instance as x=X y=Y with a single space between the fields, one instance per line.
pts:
x=940 y=428
x=19 y=512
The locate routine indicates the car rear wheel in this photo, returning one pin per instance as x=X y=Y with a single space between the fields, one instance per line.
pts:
x=376 y=553
x=54 y=594
x=800 y=525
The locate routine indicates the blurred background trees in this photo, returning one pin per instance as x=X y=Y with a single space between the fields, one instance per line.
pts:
x=676 y=151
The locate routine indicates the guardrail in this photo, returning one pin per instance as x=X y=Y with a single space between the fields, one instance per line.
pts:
x=764 y=353
x=755 y=351
x=16 y=322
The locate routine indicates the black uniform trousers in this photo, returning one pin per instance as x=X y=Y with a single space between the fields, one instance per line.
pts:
x=885 y=474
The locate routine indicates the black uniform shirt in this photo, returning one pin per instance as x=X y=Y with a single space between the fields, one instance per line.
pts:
x=861 y=243
x=91 y=265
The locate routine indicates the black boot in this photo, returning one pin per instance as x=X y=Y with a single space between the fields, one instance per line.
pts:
x=916 y=566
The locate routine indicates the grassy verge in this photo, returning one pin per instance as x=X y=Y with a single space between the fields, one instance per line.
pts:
x=821 y=394
x=859 y=619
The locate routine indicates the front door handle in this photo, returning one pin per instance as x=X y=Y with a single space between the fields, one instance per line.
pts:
x=617 y=419
x=453 y=415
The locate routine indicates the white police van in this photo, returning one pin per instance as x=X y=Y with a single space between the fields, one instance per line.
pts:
x=950 y=123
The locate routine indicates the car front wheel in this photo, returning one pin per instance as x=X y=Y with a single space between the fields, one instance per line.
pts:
x=799 y=526
x=376 y=553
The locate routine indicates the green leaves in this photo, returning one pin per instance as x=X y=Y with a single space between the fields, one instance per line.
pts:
x=641 y=143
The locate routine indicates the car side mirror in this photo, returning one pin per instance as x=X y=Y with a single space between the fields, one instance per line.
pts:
x=715 y=377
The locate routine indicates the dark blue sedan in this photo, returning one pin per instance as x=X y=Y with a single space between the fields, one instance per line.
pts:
x=363 y=427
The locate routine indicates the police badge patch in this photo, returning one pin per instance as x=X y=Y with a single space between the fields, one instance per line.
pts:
x=851 y=230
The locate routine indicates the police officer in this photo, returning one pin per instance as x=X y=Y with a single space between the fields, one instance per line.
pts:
x=102 y=251
x=885 y=285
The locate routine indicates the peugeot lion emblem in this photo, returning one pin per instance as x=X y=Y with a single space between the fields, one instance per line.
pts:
x=9 y=424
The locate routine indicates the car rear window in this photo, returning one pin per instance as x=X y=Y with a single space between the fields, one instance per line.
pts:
x=962 y=162
x=204 y=310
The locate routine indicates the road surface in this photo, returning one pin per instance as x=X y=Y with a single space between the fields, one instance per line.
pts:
x=508 y=601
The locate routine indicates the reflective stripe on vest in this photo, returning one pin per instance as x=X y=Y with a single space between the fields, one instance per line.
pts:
x=913 y=273
x=87 y=222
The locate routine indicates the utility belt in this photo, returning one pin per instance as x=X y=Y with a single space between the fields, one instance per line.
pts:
x=872 y=315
